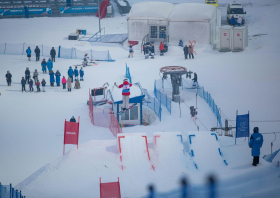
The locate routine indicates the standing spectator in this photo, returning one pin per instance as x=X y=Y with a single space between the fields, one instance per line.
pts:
x=77 y=84
x=181 y=43
x=144 y=49
x=43 y=85
x=51 y=78
x=53 y=53
x=70 y=73
x=9 y=78
x=146 y=52
x=186 y=51
x=28 y=52
x=73 y=119
x=256 y=141
x=57 y=78
x=69 y=83
x=64 y=82
x=38 y=85
x=49 y=65
x=35 y=75
x=85 y=60
x=239 y=21
x=37 y=52
x=130 y=51
x=190 y=50
x=76 y=73
x=194 y=80
x=44 y=66
x=152 y=50
x=23 y=84
x=232 y=21
x=27 y=75
x=31 y=85
x=82 y=74
x=161 y=48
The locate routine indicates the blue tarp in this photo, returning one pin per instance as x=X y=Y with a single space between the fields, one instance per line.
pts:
x=31 y=11
x=65 y=10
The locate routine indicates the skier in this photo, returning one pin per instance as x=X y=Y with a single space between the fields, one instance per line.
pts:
x=53 y=53
x=130 y=51
x=51 y=78
x=23 y=81
x=146 y=52
x=38 y=86
x=30 y=85
x=37 y=52
x=161 y=48
x=190 y=50
x=73 y=119
x=69 y=83
x=57 y=78
x=43 y=85
x=186 y=51
x=77 y=84
x=70 y=73
x=76 y=73
x=28 y=52
x=152 y=50
x=49 y=65
x=232 y=21
x=125 y=92
x=239 y=21
x=82 y=74
x=181 y=43
x=256 y=141
x=35 y=75
x=44 y=66
x=8 y=78
x=85 y=59
x=64 y=82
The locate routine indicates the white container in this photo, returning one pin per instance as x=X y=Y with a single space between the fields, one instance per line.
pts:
x=225 y=38
x=239 y=38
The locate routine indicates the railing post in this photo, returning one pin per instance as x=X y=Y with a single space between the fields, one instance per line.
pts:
x=10 y=190
x=59 y=51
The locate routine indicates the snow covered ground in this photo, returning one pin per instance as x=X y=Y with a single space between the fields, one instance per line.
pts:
x=31 y=124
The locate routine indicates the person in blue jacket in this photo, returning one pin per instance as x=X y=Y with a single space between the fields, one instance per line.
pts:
x=49 y=65
x=28 y=52
x=51 y=78
x=57 y=78
x=76 y=72
x=82 y=74
x=44 y=66
x=232 y=21
x=70 y=73
x=256 y=141
x=181 y=43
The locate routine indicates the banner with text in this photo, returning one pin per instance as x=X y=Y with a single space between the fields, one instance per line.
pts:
x=242 y=126
x=66 y=10
x=31 y=11
x=71 y=133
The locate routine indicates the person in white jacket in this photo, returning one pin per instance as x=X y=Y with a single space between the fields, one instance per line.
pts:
x=239 y=21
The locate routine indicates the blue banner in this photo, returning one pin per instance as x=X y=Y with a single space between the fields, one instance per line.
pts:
x=242 y=126
x=66 y=10
x=31 y=11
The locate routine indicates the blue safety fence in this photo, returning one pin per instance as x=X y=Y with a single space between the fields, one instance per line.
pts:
x=154 y=105
x=127 y=73
x=162 y=98
x=7 y=191
x=61 y=52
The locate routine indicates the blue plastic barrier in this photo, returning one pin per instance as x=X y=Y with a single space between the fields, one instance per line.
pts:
x=127 y=74
x=162 y=98
x=7 y=191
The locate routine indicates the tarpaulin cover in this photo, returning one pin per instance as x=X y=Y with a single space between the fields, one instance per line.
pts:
x=109 y=190
x=71 y=132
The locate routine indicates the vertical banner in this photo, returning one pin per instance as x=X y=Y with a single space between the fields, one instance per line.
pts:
x=242 y=126
x=71 y=133
x=110 y=190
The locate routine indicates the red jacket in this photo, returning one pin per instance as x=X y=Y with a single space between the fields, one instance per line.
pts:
x=126 y=88
x=161 y=46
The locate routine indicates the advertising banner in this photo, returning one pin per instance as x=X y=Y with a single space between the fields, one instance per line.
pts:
x=67 y=10
x=71 y=133
x=242 y=126
x=111 y=189
x=31 y=11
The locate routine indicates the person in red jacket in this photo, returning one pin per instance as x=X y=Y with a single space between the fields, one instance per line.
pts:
x=125 y=93
x=161 y=48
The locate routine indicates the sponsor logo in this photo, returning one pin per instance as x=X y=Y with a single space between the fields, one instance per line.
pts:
x=70 y=133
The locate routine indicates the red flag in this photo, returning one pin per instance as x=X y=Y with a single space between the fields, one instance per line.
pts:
x=108 y=190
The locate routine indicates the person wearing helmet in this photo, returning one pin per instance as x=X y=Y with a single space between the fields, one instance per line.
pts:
x=73 y=119
x=125 y=92
x=70 y=73
x=191 y=51
x=27 y=75
x=256 y=141
x=85 y=59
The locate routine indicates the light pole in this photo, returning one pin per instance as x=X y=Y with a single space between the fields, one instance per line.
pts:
x=99 y=14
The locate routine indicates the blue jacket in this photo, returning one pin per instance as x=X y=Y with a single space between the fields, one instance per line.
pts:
x=50 y=65
x=256 y=141
x=232 y=21
x=51 y=77
x=44 y=64
x=28 y=51
x=76 y=72
x=70 y=72
x=81 y=72
x=31 y=83
x=57 y=77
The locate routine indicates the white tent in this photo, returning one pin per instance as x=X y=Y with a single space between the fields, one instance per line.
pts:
x=187 y=21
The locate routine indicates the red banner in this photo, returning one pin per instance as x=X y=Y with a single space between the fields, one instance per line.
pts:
x=109 y=190
x=71 y=133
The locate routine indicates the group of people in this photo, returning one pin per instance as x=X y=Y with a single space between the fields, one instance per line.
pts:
x=76 y=73
x=232 y=20
x=188 y=50
x=37 y=52
x=149 y=50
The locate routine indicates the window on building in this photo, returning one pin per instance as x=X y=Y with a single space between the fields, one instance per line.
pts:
x=162 y=31
x=154 y=31
x=134 y=113
x=125 y=115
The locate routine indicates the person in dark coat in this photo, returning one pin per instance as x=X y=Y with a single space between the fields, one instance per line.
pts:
x=38 y=86
x=31 y=85
x=70 y=73
x=57 y=78
x=28 y=52
x=146 y=51
x=43 y=85
x=256 y=141
x=37 y=52
x=53 y=53
x=72 y=119
x=195 y=77
x=186 y=51
x=27 y=75
x=44 y=66
x=82 y=73
x=152 y=50
x=51 y=78
x=23 y=81
x=9 y=78
x=181 y=44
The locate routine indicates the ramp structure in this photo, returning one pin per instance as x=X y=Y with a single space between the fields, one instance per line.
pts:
x=205 y=151
x=134 y=152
